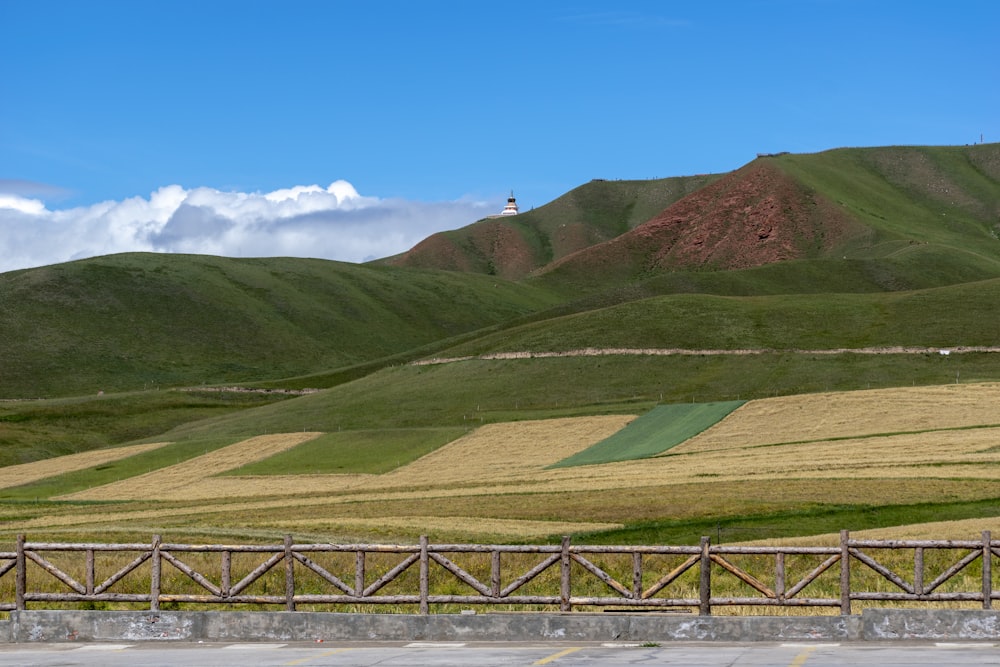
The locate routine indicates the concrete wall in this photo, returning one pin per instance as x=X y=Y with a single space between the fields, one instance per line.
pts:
x=872 y=625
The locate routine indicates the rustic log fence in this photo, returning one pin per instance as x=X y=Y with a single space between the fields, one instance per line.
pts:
x=578 y=568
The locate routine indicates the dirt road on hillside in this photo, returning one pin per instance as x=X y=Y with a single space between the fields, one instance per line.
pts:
x=666 y=352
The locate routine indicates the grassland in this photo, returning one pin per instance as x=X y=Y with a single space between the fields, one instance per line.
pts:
x=137 y=321
x=774 y=467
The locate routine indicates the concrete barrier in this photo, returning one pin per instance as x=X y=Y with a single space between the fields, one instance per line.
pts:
x=882 y=624
x=871 y=625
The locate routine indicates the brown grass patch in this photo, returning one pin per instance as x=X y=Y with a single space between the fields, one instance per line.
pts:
x=25 y=473
x=964 y=529
x=431 y=525
x=218 y=488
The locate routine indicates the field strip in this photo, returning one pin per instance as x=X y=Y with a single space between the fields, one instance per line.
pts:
x=160 y=483
x=505 y=452
x=25 y=473
x=674 y=352
x=463 y=524
x=962 y=529
x=809 y=417
x=217 y=488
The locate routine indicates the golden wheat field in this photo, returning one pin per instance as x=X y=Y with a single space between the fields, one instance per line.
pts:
x=25 y=473
x=823 y=445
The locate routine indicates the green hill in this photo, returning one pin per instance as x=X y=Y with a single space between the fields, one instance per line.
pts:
x=138 y=321
x=514 y=247
x=919 y=216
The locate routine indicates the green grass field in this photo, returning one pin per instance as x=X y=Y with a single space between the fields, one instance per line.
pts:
x=364 y=452
x=653 y=433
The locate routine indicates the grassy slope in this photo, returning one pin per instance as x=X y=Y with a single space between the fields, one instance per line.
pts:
x=35 y=430
x=948 y=316
x=589 y=214
x=927 y=216
x=466 y=393
x=141 y=320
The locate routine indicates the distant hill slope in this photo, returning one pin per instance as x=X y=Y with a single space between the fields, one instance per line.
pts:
x=920 y=216
x=513 y=247
x=142 y=320
x=754 y=216
x=938 y=205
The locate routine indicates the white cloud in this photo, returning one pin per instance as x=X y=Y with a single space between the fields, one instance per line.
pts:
x=21 y=204
x=302 y=221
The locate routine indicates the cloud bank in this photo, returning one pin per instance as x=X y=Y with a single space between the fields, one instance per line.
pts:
x=302 y=221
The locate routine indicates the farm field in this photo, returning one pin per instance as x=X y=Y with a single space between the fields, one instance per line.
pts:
x=931 y=448
x=25 y=473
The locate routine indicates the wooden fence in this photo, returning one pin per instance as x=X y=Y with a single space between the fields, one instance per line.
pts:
x=564 y=576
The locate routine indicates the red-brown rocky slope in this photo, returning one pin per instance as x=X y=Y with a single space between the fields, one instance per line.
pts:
x=753 y=216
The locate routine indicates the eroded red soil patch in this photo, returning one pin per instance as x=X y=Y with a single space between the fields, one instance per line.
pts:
x=754 y=216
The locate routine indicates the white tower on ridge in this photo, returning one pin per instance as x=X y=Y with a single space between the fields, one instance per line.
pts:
x=511 y=207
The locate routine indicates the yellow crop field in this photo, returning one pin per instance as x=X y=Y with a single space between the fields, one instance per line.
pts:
x=856 y=413
x=164 y=482
x=25 y=473
x=503 y=453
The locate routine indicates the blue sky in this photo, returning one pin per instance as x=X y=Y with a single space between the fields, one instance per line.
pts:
x=351 y=130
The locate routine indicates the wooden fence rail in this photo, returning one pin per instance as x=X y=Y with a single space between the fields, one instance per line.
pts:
x=563 y=576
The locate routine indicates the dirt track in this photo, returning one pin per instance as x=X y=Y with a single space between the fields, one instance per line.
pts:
x=666 y=352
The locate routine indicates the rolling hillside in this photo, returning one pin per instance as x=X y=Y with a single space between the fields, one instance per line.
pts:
x=517 y=246
x=904 y=211
x=851 y=269
x=136 y=321
x=915 y=216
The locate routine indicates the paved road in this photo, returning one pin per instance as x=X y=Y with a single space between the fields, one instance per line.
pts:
x=441 y=654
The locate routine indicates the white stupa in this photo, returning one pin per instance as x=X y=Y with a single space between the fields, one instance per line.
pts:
x=511 y=207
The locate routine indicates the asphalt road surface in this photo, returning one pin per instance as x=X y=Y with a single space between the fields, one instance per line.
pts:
x=441 y=654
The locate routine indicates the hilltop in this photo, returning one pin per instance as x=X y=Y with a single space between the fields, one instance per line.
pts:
x=901 y=209
x=515 y=247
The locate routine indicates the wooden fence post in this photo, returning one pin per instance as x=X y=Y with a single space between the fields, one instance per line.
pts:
x=154 y=576
x=918 y=570
x=424 y=576
x=90 y=571
x=845 y=574
x=21 y=577
x=987 y=570
x=636 y=575
x=565 y=584
x=495 y=578
x=705 y=581
x=289 y=575
x=226 y=576
x=359 y=573
x=779 y=576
